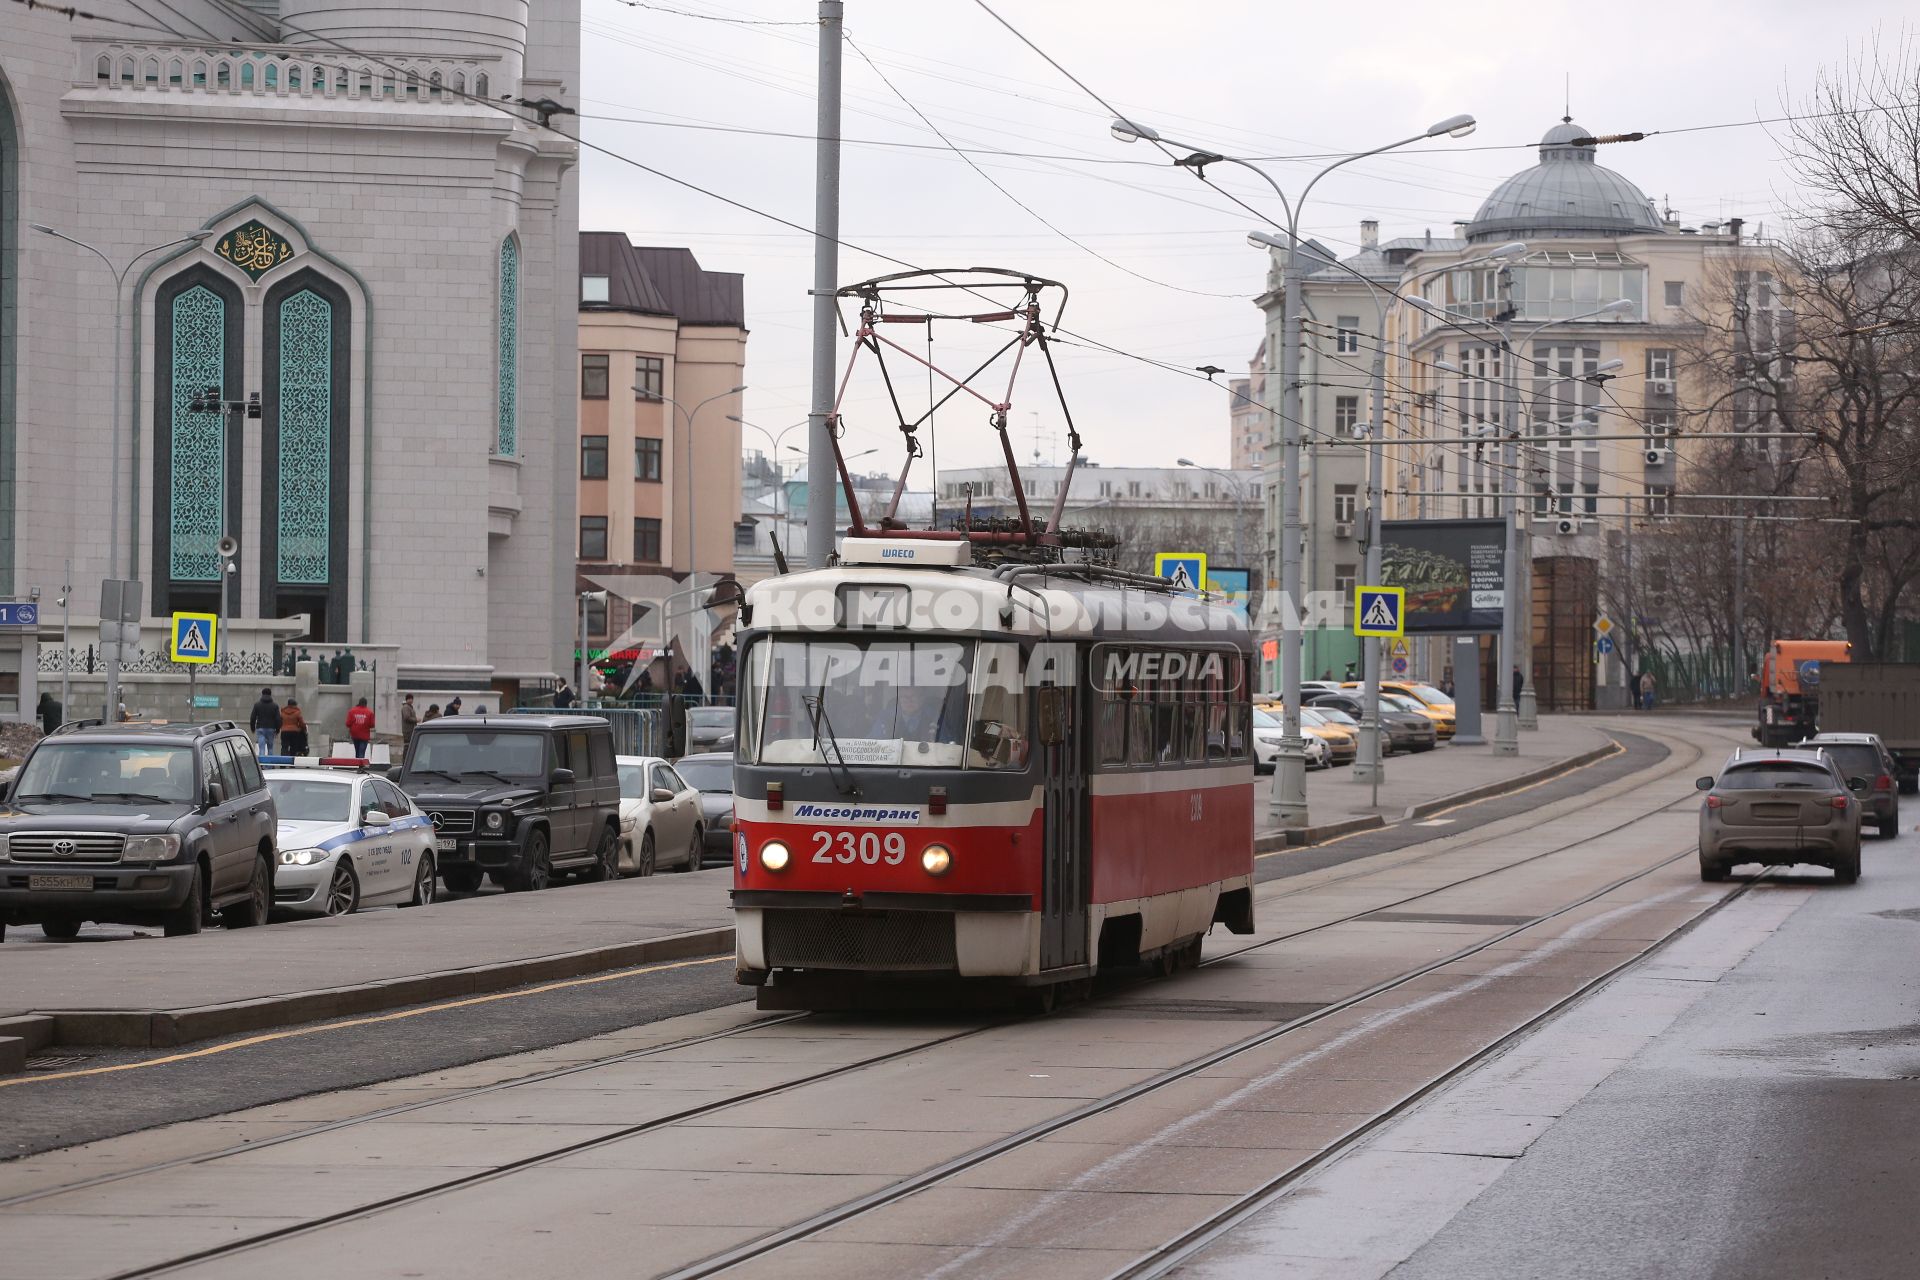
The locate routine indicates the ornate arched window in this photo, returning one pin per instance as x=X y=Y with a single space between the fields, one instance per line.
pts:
x=304 y=499
x=507 y=434
x=197 y=329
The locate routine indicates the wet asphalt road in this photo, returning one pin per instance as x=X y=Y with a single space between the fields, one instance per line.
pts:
x=1773 y=1131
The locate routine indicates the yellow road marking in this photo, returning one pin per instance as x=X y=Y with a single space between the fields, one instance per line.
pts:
x=1464 y=804
x=294 y=1032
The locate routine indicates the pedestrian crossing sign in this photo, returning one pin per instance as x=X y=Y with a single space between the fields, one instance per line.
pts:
x=1185 y=570
x=1380 y=611
x=195 y=637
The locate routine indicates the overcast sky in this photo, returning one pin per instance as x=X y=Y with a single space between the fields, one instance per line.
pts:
x=1252 y=79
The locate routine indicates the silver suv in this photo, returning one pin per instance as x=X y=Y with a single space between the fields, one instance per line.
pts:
x=1789 y=802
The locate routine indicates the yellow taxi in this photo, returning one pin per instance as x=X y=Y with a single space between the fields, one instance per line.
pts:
x=1435 y=704
x=1342 y=742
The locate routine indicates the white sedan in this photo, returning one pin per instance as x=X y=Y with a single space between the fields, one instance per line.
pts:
x=1266 y=744
x=348 y=840
x=659 y=817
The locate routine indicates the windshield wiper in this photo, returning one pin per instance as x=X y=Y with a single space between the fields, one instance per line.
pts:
x=450 y=777
x=816 y=706
x=134 y=796
x=490 y=773
x=53 y=795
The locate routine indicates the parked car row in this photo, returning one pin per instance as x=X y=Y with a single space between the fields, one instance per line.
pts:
x=177 y=825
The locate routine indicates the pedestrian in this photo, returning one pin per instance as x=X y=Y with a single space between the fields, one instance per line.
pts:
x=1350 y=672
x=480 y=710
x=563 y=696
x=293 y=729
x=360 y=728
x=125 y=715
x=1646 y=690
x=50 y=712
x=1519 y=683
x=1327 y=674
x=453 y=708
x=265 y=723
x=1446 y=682
x=433 y=712
x=409 y=721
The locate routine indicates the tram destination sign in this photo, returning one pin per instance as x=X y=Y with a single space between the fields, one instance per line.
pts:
x=1454 y=573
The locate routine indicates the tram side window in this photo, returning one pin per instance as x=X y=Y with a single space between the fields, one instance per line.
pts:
x=1140 y=724
x=1193 y=726
x=1166 y=725
x=1113 y=727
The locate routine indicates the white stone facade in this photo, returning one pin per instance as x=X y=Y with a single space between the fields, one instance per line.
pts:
x=392 y=195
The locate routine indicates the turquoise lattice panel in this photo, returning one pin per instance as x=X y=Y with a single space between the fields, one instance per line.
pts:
x=199 y=446
x=507 y=437
x=306 y=438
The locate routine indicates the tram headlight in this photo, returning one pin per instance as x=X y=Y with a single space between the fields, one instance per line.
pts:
x=773 y=856
x=936 y=859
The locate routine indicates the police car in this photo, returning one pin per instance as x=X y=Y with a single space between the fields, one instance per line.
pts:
x=348 y=840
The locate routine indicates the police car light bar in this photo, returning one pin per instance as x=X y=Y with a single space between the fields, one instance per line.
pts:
x=914 y=552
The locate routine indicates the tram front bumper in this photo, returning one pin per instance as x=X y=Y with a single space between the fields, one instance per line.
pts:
x=993 y=936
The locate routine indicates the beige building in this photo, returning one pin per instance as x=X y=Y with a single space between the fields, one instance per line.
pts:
x=1249 y=423
x=663 y=346
x=1609 y=450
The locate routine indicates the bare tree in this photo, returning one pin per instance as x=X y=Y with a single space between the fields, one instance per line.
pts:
x=1821 y=336
x=1856 y=144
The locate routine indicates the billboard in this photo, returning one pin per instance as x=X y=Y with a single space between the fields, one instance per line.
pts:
x=1454 y=572
x=1235 y=584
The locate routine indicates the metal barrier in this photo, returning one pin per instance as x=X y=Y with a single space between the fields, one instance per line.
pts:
x=636 y=732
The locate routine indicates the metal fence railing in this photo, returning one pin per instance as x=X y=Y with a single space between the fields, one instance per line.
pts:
x=636 y=731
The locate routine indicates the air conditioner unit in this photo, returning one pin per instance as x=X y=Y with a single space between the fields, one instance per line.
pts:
x=1659 y=386
x=1658 y=457
x=1343 y=529
x=1566 y=526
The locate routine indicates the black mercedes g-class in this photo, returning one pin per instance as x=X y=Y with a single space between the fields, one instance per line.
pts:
x=517 y=798
x=137 y=824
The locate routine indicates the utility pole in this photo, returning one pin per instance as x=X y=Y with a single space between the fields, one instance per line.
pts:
x=1506 y=717
x=1371 y=765
x=821 y=472
x=1287 y=795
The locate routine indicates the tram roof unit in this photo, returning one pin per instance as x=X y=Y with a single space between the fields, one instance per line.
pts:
x=947 y=594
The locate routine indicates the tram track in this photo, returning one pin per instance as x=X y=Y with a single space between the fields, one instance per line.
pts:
x=1189 y=1244
x=904 y=1187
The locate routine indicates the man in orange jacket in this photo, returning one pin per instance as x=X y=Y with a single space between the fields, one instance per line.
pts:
x=360 y=728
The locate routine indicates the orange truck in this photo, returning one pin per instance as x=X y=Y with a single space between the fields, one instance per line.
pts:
x=1790 y=688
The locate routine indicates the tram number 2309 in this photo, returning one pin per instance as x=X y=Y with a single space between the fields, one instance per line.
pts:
x=870 y=847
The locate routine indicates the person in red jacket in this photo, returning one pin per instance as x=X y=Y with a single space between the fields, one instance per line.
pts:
x=360 y=728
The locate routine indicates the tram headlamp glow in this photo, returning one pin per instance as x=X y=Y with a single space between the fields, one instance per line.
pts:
x=773 y=856
x=935 y=859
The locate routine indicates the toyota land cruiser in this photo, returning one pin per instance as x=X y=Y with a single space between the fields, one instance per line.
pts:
x=137 y=824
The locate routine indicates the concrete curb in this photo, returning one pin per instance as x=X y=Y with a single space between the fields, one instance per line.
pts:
x=1518 y=782
x=1301 y=837
x=165 y=1028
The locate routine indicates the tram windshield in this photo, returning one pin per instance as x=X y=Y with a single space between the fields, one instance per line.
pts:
x=932 y=704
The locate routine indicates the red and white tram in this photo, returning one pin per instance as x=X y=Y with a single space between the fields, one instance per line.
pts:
x=956 y=777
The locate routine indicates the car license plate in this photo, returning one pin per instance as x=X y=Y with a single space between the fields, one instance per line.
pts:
x=60 y=882
x=1777 y=812
x=445 y=844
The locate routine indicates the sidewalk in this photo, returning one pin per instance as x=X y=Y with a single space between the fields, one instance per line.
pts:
x=141 y=991
x=1337 y=804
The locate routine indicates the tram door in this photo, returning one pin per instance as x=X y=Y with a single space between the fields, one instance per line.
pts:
x=1067 y=882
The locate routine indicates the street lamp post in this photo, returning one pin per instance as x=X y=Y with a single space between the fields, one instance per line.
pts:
x=111 y=652
x=693 y=524
x=773 y=443
x=1287 y=799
